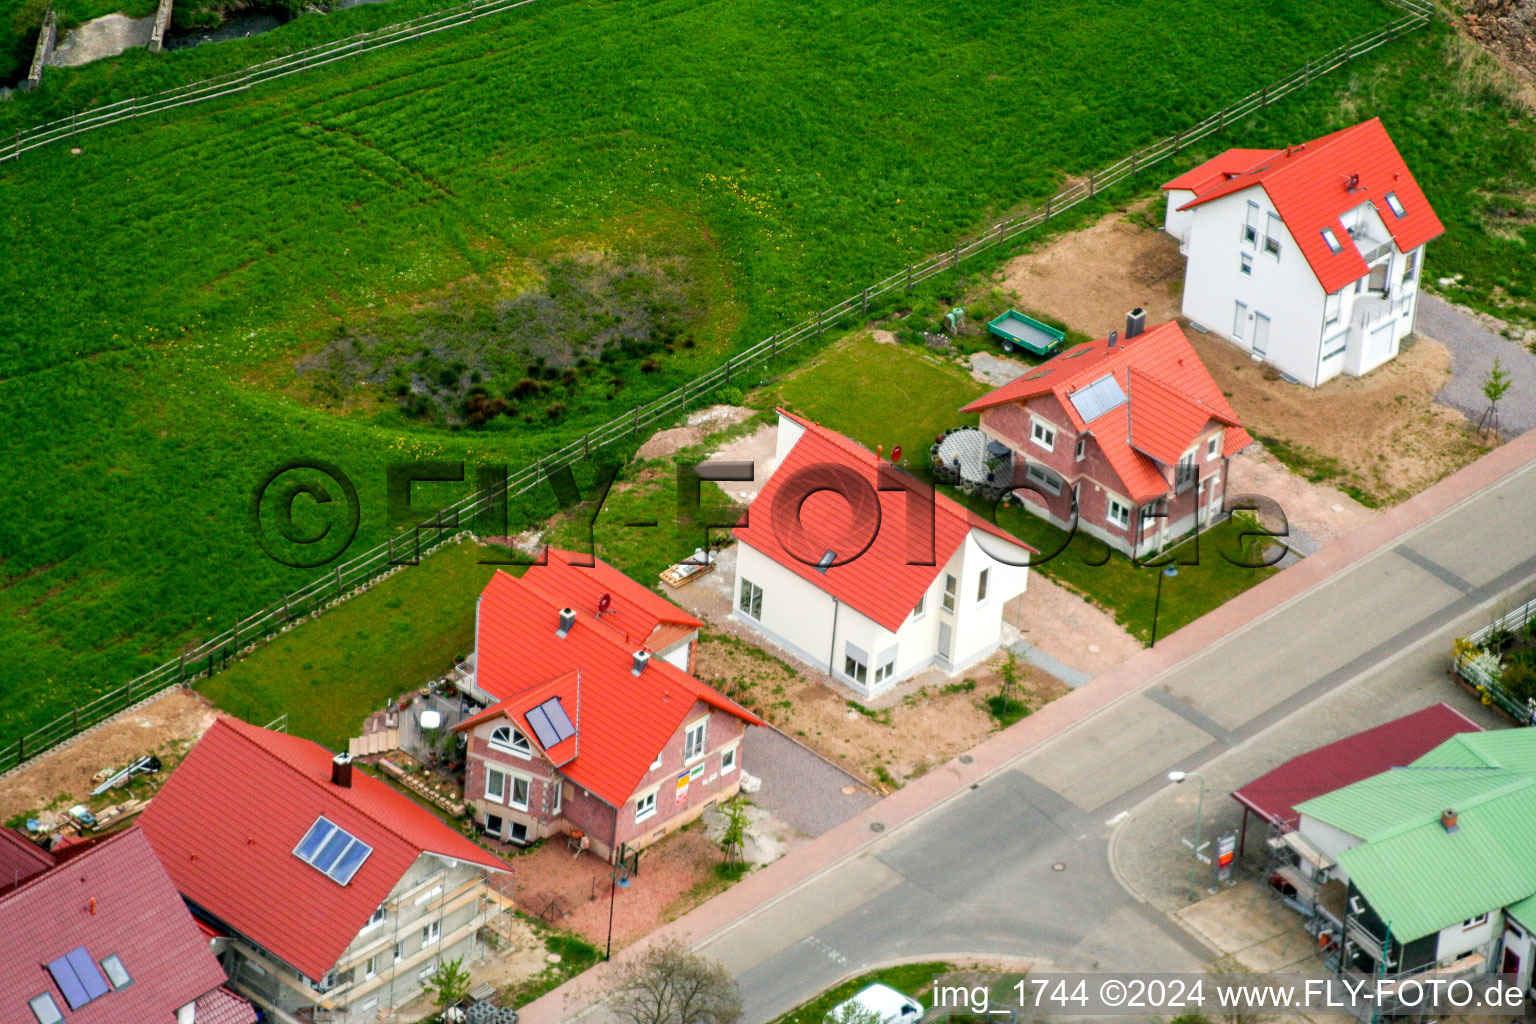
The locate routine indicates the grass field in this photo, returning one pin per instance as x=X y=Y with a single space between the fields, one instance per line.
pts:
x=166 y=285
x=914 y=980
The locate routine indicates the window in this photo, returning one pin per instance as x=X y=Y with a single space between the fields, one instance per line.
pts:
x=371 y=966
x=751 y=599
x=855 y=663
x=657 y=763
x=645 y=806
x=510 y=741
x=1251 y=224
x=519 y=793
x=1411 y=266
x=1332 y=240
x=1213 y=445
x=1184 y=474
x=1082 y=449
x=374 y=921
x=116 y=973
x=1335 y=347
x=981 y=585
x=496 y=785
x=1272 y=236
x=1043 y=434
x=1474 y=922
x=693 y=740
x=885 y=665
x=1239 y=320
x=45 y=1009
x=428 y=896
x=427 y=970
x=432 y=932
x=1395 y=204
x=1245 y=264
x=1333 y=306
x=727 y=760
x=922 y=607
x=399 y=951
x=951 y=585
x=1044 y=477
x=557 y=803
x=1119 y=514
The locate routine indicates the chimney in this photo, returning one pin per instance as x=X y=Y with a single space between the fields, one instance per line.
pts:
x=1135 y=322
x=1111 y=340
x=642 y=659
x=1448 y=820
x=341 y=771
x=567 y=620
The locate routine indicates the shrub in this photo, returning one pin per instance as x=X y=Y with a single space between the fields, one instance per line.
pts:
x=554 y=410
x=729 y=396
x=1519 y=680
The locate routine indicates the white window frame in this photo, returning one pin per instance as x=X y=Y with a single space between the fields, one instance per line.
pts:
x=1245 y=263
x=431 y=932
x=885 y=665
x=1410 y=267
x=1239 y=319
x=921 y=609
x=510 y=745
x=371 y=966
x=1272 y=235
x=1395 y=205
x=1185 y=473
x=1082 y=449
x=557 y=804
x=951 y=592
x=660 y=756
x=1043 y=476
x=982 y=578
x=399 y=951
x=750 y=601
x=701 y=746
x=1250 y=229
x=645 y=806
x=1042 y=433
x=1213 y=445
x=855 y=663
x=728 y=759
x=1123 y=520
x=45 y=1000
x=1331 y=240
x=1476 y=921
x=377 y=919
x=497 y=793
x=527 y=784
x=1333 y=308
x=427 y=970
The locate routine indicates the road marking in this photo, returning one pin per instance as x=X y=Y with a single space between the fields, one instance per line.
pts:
x=1117 y=819
x=1190 y=714
x=1435 y=569
x=826 y=950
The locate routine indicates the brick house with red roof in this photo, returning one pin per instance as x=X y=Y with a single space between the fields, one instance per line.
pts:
x=1306 y=257
x=336 y=895
x=865 y=572
x=104 y=939
x=1128 y=437
x=593 y=723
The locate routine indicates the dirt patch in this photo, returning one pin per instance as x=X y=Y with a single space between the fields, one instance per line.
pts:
x=1315 y=515
x=1381 y=437
x=1074 y=632
x=1090 y=278
x=700 y=425
x=1506 y=29
x=166 y=727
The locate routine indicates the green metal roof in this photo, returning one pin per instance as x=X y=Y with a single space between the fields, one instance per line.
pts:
x=1417 y=875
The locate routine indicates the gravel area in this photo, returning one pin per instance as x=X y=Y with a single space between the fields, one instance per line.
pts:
x=1473 y=348
x=102 y=37
x=799 y=788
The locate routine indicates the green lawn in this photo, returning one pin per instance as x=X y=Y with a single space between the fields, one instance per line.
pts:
x=329 y=674
x=915 y=980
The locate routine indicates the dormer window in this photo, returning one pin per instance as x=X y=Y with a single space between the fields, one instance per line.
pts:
x=509 y=741
x=1332 y=240
x=1395 y=204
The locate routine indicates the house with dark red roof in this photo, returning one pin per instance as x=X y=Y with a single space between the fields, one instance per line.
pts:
x=1126 y=439
x=104 y=939
x=335 y=896
x=1307 y=257
x=591 y=724
x=861 y=570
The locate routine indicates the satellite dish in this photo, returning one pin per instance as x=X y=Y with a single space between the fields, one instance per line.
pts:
x=604 y=602
x=431 y=719
x=896 y=454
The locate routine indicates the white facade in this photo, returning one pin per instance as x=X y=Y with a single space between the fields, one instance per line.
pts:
x=1247 y=281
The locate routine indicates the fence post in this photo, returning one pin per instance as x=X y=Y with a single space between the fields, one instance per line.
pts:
x=1133 y=165
x=956 y=262
x=773 y=348
x=1091 y=175
x=338 y=594
x=1264 y=97
x=1048 y=201
x=586 y=445
x=909 y=279
x=865 y=306
x=818 y=322
x=183 y=660
x=636 y=429
x=77 y=708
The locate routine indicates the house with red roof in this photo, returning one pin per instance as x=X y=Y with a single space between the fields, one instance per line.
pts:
x=1127 y=439
x=335 y=896
x=104 y=939
x=592 y=724
x=861 y=570
x=1307 y=257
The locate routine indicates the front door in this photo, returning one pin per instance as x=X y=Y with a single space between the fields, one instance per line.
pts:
x=1511 y=964
x=1260 y=334
x=944 y=640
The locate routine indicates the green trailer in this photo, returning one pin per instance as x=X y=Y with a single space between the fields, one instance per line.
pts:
x=1020 y=331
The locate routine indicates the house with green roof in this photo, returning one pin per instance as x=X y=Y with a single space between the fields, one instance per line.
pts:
x=1435 y=862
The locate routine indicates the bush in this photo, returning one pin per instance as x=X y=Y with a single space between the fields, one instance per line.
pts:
x=729 y=396
x=1519 y=680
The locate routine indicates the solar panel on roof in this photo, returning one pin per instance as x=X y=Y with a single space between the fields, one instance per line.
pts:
x=317 y=834
x=332 y=850
x=88 y=973
x=69 y=981
x=555 y=711
x=351 y=859
x=1097 y=398
x=541 y=727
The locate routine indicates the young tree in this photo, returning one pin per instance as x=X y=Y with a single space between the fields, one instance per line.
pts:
x=1495 y=386
x=734 y=837
x=854 y=1013
x=449 y=985
x=670 y=984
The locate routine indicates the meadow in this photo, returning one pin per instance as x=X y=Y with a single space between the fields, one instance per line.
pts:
x=165 y=285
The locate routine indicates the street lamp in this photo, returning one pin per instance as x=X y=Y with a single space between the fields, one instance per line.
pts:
x=1169 y=572
x=1194 y=853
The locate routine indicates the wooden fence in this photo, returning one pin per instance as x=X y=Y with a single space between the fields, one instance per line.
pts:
x=354 y=575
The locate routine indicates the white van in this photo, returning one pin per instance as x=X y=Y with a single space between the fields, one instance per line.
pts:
x=891 y=1005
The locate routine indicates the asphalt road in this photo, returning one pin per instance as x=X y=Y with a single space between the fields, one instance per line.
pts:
x=1019 y=865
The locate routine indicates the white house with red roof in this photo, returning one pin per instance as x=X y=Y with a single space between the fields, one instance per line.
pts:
x=1307 y=257
x=103 y=938
x=1128 y=438
x=336 y=895
x=594 y=725
x=863 y=571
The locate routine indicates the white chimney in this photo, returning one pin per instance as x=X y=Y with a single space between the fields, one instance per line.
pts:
x=341 y=770
x=642 y=659
x=1135 y=323
x=567 y=620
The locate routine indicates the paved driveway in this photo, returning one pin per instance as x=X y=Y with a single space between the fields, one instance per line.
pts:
x=800 y=788
x=1473 y=348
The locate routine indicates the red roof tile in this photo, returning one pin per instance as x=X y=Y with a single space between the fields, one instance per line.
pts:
x=1171 y=398
x=580 y=581
x=870 y=574
x=20 y=859
x=112 y=898
x=226 y=822
x=1393 y=744
x=1310 y=186
x=622 y=720
x=221 y=1006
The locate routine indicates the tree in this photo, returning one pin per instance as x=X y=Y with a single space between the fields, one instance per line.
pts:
x=1495 y=386
x=854 y=1013
x=734 y=837
x=449 y=985
x=670 y=984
